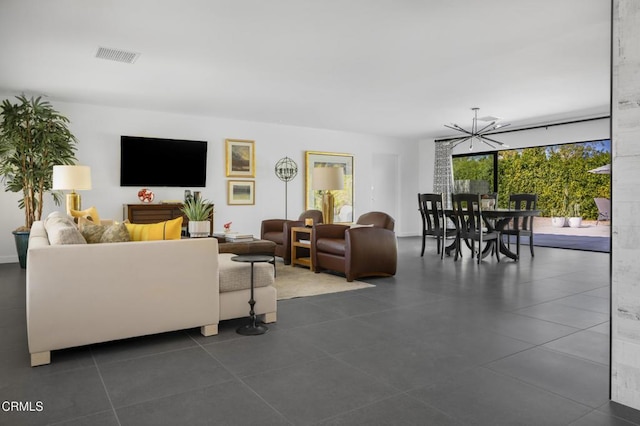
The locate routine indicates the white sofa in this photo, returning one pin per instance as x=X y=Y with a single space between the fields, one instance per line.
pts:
x=79 y=294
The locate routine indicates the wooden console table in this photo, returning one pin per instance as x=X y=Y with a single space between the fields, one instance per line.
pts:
x=157 y=212
x=296 y=244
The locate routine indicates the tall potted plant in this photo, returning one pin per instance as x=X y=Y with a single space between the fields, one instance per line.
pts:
x=559 y=217
x=198 y=211
x=575 y=220
x=33 y=138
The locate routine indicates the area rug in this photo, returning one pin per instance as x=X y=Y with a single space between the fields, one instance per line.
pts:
x=292 y=282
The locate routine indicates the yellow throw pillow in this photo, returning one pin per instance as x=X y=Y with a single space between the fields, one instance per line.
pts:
x=90 y=214
x=168 y=230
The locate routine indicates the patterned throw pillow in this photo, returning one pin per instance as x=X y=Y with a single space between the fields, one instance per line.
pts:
x=92 y=233
x=167 y=230
x=116 y=233
x=91 y=214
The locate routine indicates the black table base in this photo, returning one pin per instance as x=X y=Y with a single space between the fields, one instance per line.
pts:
x=502 y=218
x=252 y=329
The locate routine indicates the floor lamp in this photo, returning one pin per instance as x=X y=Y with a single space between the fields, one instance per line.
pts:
x=286 y=170
x=72 y=178
x=327 y=179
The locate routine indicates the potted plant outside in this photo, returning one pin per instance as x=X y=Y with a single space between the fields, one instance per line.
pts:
x=559 y=217
x=198 y=211
x=575 y=221
x=33 y=138
x=558 y=220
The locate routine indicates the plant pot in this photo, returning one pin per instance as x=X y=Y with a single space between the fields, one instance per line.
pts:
x=558 y=222
x=199 y=229
x=22 y=244
x=575 y=222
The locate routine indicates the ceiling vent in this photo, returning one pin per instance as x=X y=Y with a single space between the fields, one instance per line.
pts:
x=117 y=55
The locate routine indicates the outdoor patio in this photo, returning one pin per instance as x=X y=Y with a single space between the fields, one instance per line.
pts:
x=591 y=236
x=542 y=225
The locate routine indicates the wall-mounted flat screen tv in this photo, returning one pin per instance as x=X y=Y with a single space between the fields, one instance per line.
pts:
x=162 y=162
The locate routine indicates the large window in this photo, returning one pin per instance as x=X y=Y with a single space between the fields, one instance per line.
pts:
x=559 y=174
x=475 y=173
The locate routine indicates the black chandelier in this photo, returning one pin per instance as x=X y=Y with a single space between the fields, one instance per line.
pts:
x=474 y=133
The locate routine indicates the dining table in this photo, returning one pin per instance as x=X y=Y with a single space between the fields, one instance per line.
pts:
x=496 y=220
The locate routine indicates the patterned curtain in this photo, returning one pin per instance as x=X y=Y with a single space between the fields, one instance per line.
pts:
x=443 y=172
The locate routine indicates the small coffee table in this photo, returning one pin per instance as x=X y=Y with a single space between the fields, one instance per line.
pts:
x=252 y=329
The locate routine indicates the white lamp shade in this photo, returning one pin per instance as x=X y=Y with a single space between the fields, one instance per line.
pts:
x=71 y=177
x=328 y=178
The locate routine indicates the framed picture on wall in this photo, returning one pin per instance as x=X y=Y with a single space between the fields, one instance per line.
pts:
x=241 y=192
x=343 y=205
x=240 y=158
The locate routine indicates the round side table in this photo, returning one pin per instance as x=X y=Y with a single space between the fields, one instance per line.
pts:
x=252 y=329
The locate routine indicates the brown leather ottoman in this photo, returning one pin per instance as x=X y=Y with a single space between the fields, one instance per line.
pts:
x=247 y=247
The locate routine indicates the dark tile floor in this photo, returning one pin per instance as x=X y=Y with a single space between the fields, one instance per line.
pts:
x=441 y=343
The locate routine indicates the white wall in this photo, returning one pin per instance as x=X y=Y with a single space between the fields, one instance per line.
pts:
x=98 y=130
x=566 y=133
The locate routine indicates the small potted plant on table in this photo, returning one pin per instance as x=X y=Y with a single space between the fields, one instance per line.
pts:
x=198 y=211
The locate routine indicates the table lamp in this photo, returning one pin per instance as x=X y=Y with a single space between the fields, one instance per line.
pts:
x=327 y=179
x=71 y=178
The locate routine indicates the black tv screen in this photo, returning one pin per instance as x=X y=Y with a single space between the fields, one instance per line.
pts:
x=162 y=162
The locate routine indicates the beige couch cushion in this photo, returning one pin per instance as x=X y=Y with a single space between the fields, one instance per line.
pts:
x=38 y=235
x=61 y=230
x=236 y=276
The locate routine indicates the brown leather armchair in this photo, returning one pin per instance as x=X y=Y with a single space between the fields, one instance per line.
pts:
x=279 y=231
x=356 y=251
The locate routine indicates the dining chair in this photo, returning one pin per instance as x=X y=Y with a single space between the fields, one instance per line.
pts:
x=434 y=223
x=521 y=226
x=467 y=216
x=489 y=200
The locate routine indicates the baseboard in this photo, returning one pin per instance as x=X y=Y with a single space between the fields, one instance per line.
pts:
x=9 y=259
x=407 y=234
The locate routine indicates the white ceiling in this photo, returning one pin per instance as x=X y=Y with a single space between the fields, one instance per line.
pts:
x=390 y=67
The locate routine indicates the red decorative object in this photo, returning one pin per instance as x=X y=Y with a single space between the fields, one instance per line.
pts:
x=227 y=226
x=145 y=195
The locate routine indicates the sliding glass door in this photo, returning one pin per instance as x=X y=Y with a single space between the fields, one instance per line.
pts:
x=561 y=175
x=475 y=173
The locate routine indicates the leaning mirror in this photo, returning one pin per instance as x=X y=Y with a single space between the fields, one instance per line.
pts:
x=342 y=207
